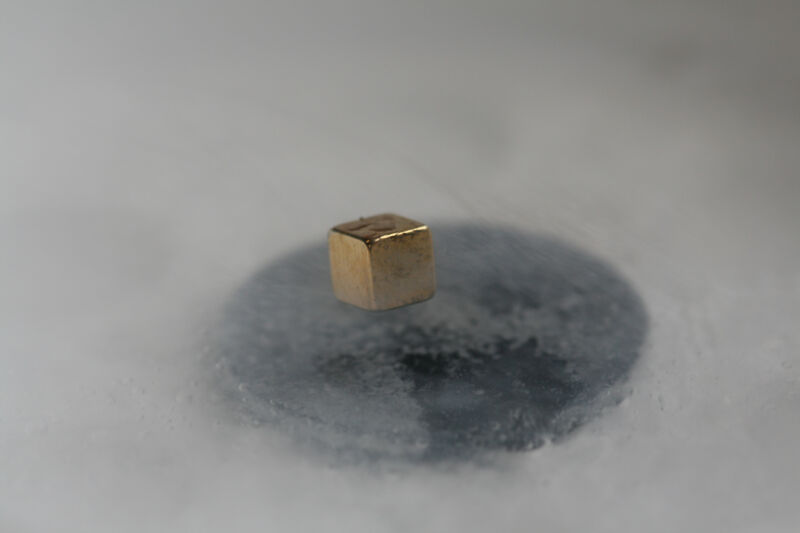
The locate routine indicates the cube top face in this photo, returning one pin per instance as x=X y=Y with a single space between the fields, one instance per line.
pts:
x=382 y=262
x=371 y=229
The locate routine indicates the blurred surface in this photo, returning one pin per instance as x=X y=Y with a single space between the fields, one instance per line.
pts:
x=155 y=155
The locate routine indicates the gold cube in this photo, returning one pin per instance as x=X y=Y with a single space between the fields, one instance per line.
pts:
x=382 y=262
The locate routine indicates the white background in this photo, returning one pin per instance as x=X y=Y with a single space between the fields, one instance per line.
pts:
x=155 y=154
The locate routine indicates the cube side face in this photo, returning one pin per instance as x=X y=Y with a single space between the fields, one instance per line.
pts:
x=403 y=269
x=351 y=273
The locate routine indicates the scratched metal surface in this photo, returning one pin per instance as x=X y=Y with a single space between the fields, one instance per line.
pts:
x=156 y=157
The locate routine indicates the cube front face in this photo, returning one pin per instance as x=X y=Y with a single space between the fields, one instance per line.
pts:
x=403 y=269
x=382 y=262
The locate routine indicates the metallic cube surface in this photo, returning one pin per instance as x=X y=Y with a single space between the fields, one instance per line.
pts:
x=382 y=262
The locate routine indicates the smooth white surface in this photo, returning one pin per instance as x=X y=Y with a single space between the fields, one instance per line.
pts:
x=152 y=156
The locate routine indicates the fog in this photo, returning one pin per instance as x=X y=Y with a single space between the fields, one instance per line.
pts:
x=154 y=156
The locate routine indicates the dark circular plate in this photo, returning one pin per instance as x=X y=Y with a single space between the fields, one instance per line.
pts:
x=525 y=340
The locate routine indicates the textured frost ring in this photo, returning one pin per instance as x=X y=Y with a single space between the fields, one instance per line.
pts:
x=382 y=262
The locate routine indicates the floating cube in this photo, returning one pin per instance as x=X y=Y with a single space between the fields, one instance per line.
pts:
x=382 y=262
